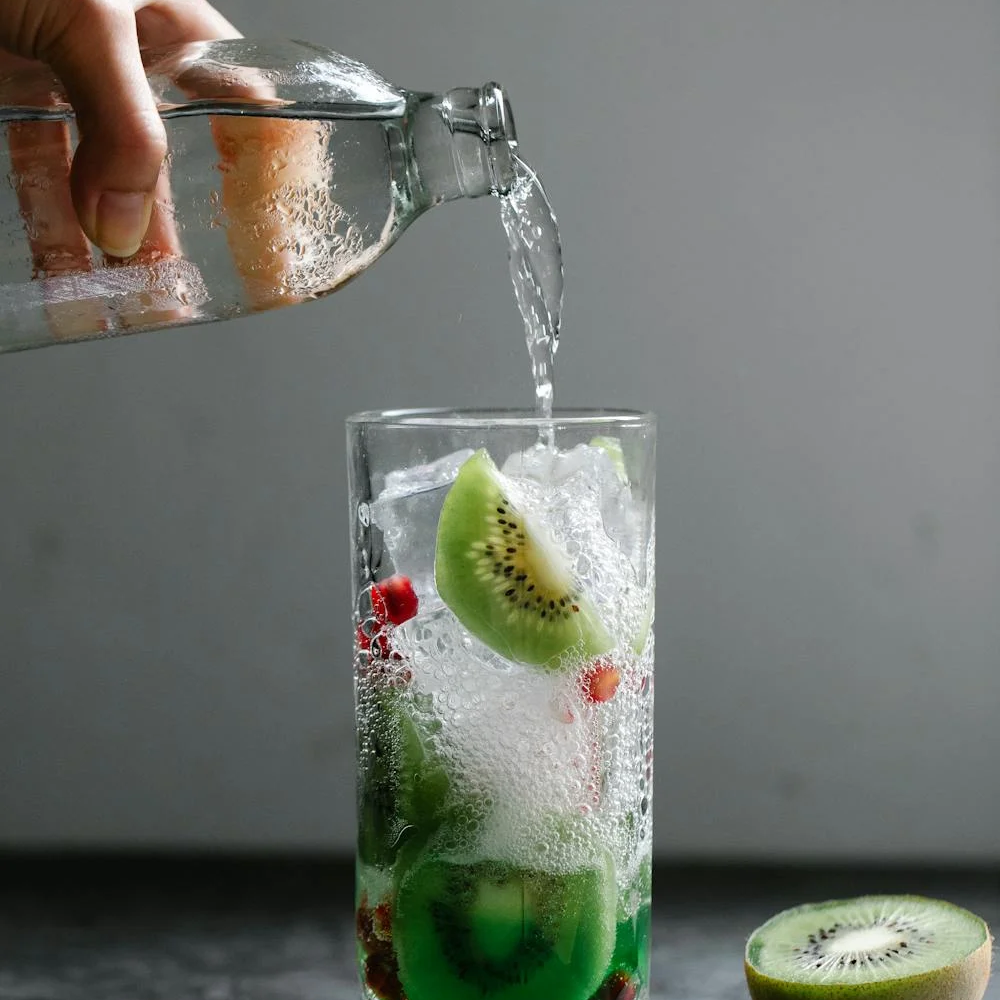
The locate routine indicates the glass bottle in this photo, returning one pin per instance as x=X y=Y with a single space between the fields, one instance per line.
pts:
x=290 y=170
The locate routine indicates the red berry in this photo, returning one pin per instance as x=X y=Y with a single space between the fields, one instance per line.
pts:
x=374 y=927
x=374 y=640
x=618 y=986
x=600 y=682
x=382 y=975
x=393 y=602
x=398 y=599
x=371 y=628
x=364 y=640
x=383 y=920
x=378 y=605
x=365 y=924
x=379 y=647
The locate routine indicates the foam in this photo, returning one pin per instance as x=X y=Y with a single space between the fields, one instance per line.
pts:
x=547 y=777
x=543 y=778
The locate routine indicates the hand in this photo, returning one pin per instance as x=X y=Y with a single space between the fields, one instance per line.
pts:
x=93 y=47
x=116 y=192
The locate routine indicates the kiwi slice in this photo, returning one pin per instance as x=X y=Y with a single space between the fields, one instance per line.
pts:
x=492 y=931
x=874 y=947
x=504 y=579
x=645 y=623
x=403 y=785
x=612 y=447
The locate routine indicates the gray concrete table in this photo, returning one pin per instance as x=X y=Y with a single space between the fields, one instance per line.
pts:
x=114 y=929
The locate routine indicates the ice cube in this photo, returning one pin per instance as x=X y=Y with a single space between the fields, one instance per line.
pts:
x=407 y=512
x=584 y=475
x=504 y=726
x=401 y=483
x=552 y=466
x=585 y=502
x=440 y=650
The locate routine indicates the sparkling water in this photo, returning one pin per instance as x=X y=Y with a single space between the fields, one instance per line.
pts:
x=536 y=270
x=470 y=758
x=524 y=740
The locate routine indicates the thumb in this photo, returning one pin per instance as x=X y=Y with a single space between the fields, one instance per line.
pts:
x=93 y=48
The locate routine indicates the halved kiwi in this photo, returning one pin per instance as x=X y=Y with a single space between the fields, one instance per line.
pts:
x=491 y=931
x=504 y=579
x=873 y=947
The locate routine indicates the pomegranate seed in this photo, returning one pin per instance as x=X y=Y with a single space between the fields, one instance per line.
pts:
x=393 y=602
x=398 y=598
x=382 y=975
x=379 y=612
x=618 y=986
x=363 y=639
x=600 y=682
x=383 y=920
x=365 y=925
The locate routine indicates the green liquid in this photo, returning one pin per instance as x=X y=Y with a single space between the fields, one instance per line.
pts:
x=376 y=957
x=631 y=953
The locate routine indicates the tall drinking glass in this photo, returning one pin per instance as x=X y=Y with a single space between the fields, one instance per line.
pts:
x=503 y=574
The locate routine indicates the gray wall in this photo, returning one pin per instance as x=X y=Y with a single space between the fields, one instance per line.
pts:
x=782 y=233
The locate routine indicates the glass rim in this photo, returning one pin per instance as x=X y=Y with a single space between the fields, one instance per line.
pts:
x=503 y=417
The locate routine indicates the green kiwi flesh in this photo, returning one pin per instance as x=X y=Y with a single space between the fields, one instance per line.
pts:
x=492 y=931
x=402 y=786
x=504 y=580
x=642 y=632
x=870 y=948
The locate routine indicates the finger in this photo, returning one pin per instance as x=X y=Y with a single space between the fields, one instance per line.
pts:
x=161 y=238
x=156 y=295
x=162 y=23
x=40 y=156
x=122 y=143
x=169 y=22
x=270 y=168
x=259 y=158
x=267 y=165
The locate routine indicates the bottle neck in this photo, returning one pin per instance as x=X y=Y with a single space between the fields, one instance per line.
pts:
x=463 y=144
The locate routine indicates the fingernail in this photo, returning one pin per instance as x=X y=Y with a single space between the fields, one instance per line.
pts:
x=122 y=219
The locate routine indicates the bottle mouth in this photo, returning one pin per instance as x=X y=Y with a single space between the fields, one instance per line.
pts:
x=485 y=113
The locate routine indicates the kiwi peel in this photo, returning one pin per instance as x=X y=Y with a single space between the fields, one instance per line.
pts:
x=870 y=948
x=505 y=580
x=489 y=930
